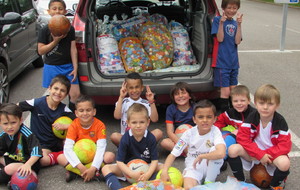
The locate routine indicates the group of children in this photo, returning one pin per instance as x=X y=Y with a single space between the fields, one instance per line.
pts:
x=241 y=135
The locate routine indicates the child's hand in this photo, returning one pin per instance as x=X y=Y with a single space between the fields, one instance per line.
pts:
x=149 y=94
x=59 y=126
x=164 y=176
x=144 y=177
x=266 y=159
x=123 y=90
x=58 y=38
x=136 y=175
x=239 y=18
x=197 y=161
x=24 y=170
x=74 y=73
x=235 y=132
x=223 y=18
x=88 y=174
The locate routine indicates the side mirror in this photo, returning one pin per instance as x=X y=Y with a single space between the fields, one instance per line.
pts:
x=10 y=18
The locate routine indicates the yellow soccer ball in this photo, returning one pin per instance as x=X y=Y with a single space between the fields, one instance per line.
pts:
x=175 y=176
x=85 y=149
x=61 y=133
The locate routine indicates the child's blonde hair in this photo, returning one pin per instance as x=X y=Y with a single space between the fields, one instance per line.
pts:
x=266 y=93
x=240 y=90
x=137 y=108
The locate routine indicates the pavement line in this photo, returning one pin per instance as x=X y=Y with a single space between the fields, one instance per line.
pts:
x=269 y=51
x=289 y=29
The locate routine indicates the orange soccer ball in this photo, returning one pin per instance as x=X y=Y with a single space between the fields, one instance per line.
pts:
x=259 y=176
x=59 y=25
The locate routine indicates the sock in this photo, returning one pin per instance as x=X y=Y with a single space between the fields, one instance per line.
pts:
x=237 y=168
x=4 y=178
x=279 y=177
x=53 y=157
x=70 y=168
x=213 y=170
x=223 y=104
x=72 y=106
x=229 y=140
x=112 y=182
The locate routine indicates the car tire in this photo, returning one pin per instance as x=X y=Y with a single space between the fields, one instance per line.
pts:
x=38 y=62
x=4 y=84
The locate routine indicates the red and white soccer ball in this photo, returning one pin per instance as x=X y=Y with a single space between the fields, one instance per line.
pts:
x=181 y=129
x=137 y=165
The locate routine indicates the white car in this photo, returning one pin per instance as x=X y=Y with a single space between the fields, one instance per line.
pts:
x=42 y=8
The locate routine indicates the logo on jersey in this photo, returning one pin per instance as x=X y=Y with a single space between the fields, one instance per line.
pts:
x=92 y=134
x=230 y=29
x=180 y=144
x=146 y=154
x=209 y=144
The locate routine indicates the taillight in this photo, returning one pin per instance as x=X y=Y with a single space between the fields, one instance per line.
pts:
x=84 y=78
x=79 y=27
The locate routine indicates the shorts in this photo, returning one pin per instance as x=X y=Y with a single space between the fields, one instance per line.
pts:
x=35 y=167
x=54 y=147
x=199 y=173
x=50 y=71
x=247 y=165
x=225 y=77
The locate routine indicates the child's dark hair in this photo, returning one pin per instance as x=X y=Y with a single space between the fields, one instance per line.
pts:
x=84 y=98
x=60 y=1
x=181 y=86
x=10 y=109
x=135 y=76
x=227 y=2
x=63 y=80
x=205 y=104
x=137 y=108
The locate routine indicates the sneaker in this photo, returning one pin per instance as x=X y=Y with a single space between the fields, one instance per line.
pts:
x=70 y=176
x=276 y=188
x=99 y=176
x=207 y=182
x=9 y=186
x=224 y=166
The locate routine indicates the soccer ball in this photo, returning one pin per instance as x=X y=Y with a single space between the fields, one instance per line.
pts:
x=137 y=165
x=28 y=182
x=175 y=176
x=59 y=25
x=181 y=129
x=259 y=176
x=61 y=133
x=85 y=149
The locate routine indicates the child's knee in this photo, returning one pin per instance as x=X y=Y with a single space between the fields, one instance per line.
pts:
x=234 y=150
x=282 y=163
x=109 y=157
x=158 y=134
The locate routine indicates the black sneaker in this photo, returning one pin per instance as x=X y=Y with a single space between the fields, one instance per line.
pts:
x=70 y=176
x=224 y=166
x=99 y=176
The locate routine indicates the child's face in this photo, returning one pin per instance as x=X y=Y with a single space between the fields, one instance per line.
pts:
x=56 y=8
x=204 y=118
x=182 y=97
x=85 y=112
x=10 y=124
x=240 y=102
x=231 y=10
x=134 y=88
x=57 y=92
x=138 y=123
x=266 y=109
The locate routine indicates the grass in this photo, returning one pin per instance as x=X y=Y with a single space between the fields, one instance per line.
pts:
x=291 y=4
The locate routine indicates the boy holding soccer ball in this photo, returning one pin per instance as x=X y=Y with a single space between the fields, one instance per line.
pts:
x=137 y=143
x=20 y=150
x=85 y=126
x=206 y=148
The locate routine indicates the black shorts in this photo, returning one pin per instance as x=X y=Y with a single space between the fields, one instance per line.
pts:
x=58 y=146
x=35 y=167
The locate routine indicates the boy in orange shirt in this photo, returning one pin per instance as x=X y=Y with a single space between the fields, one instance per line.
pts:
x=85 y=126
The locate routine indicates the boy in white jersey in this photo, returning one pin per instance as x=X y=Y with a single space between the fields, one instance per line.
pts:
x=133 y=86
x=206 y=148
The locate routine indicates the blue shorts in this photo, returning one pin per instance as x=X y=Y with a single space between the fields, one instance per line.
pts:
x=225 y=77
x=50 y=71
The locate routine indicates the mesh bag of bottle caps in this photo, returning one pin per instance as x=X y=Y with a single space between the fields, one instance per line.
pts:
x=109 y=55
x=159 y=19
x=183 y=52
x=134 y=57
x=158 y=43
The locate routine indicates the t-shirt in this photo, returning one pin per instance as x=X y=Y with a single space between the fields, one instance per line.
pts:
x=96 y=131
x=177 y=117
x=61 y=53
x=227 y=57
x=197 y=144
x=127 y=102
x=42 y=118
x=21 y=146
x=144 y=149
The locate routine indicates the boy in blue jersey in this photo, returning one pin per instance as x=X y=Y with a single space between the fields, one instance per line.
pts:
x=137 y=143
x=19 y=148
x=44 y=111
x=228 y=35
